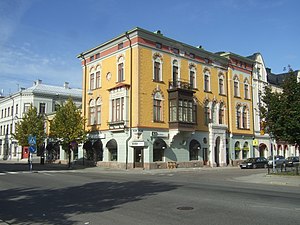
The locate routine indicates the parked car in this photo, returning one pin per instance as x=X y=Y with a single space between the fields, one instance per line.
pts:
x=256 y=162
x=278 y=159
x=290 y=161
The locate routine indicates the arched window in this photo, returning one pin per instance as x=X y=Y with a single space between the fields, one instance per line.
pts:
x=221 y=84
x=237 y=150
x=206 y=113
x=192 y=70
x=92 y=119
x=175 y=71
x=92 y=79
x=245 y=150
x=214 y=112
x=238 y=116
x=236 y=88
x=157 y=107
x=206 y=80
x=245 y=117
x=221 y=113
x=98 y=110
x=246 y=89
x=157 y=67
x=98 y=77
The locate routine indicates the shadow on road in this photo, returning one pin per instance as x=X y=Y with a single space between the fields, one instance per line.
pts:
x=54 y=206
x=23 y=166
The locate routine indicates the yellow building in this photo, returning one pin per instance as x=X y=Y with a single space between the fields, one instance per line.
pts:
x=153 y=102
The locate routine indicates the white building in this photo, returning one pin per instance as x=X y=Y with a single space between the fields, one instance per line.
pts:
x=12 y=107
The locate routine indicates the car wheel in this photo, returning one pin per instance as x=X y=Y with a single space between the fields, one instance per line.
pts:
x=254 y=166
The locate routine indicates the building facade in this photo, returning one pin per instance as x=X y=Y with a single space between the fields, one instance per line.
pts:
x=154 y=102
x=44 y=97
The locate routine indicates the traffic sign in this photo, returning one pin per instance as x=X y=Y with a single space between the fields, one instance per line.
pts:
x=32 y=149
x=32 y=140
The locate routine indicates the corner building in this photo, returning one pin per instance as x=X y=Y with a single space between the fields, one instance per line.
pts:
x=153 y=102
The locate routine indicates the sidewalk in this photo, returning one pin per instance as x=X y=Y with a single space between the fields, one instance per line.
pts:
x=261 y=178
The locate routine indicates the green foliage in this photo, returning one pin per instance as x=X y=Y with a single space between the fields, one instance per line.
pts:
x=32 y=124
x=68 y=125
x=281 y=112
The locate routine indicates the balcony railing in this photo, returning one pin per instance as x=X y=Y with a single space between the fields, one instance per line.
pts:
x=180 y=84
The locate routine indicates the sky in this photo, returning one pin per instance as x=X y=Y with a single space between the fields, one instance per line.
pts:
x=40 y=39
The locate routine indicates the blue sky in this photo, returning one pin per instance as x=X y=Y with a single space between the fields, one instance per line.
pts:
x=40 y=39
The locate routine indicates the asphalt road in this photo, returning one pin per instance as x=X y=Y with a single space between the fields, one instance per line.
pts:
x=56 y=195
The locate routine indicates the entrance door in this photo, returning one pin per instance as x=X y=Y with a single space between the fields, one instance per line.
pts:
x=138 y=158
x=217 y=151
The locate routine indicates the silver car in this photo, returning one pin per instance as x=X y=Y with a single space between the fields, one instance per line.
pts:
x=279 y=160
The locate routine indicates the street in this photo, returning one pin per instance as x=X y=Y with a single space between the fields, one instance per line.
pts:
x=56 y=195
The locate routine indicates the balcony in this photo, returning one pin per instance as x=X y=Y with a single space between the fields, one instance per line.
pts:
x=117 y=125
x=182 y=105
x=180 y=84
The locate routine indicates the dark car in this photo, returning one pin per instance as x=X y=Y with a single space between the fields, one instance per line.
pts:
x=290 y=161
x=256 y=162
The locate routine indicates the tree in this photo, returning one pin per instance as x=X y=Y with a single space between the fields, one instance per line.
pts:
x=281 y=111
x=68 y=126
x=32 y=124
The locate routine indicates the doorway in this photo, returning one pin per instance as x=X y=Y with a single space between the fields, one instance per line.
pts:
x=217 y=152
x=138 y=158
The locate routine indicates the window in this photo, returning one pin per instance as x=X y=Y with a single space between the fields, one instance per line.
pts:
x=192 y=76
x=237 y=150
x=12 y=110
x=221 y=113
x=17 y=108
x=157 y=67
x=92 y=120
x=185 y=111
x=236 y=87
x=92 y=80
x=120 y=45
x=92 y=58
x=206 y=113
x=245 y=150
x=26 y=107
x=121 y=76
x=42 y=108
x=5 y=112
x=118 y=109
x=192 y=55
x=213 y=112
x=98 y=79
x=157 y=107
x=245 y=117
x=158 y=45
x=246 y=86
x=175 y=50
x=98 y=111
x=97 y=56
x=173 y=111
x=2 y=113
x=221 y=85
x=206 y=81
x=175 y=73
x=8 y=111
x=238 y=117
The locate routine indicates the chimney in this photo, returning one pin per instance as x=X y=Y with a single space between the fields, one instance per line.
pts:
x=37 y=82
x=66 y=85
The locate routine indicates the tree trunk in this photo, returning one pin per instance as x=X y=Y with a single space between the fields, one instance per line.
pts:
x=69 y=164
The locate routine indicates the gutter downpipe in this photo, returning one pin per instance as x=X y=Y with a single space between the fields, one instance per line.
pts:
x=229 y=119
x=84 y=98
x=130 y=103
